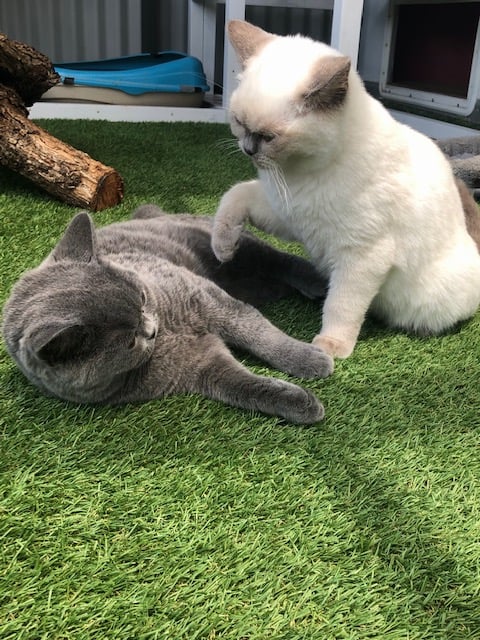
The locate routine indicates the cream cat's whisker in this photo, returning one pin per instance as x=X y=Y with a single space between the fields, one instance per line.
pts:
x=234 y=152
x=228 y=146
x=225 y=143
x=279 y=182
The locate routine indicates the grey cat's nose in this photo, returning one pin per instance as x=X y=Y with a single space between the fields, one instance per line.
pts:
x=149 y=329
x=152 y=334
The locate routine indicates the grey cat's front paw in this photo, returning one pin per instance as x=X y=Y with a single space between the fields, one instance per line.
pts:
x=312 y=411
x=311 y=362
x=313 y=289
x=304 y=276
x=299 y=406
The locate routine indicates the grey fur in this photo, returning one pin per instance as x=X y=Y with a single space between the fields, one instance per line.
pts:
x=142 y=309
x=464 y=156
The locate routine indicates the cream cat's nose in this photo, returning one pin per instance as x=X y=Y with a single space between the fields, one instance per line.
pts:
x=249 y=150
x=250 y=144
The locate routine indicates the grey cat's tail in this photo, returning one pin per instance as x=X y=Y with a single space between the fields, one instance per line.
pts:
x=145 y=211
x=464 y=156
x=471 y=211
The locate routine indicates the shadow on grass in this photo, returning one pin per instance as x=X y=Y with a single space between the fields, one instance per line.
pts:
x=394 y=515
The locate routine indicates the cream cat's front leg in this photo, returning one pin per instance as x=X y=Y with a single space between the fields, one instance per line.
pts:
x=244 y=202
x=355 y=281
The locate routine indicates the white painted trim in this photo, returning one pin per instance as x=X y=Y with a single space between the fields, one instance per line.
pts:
x=433 y=128
x=119 y=113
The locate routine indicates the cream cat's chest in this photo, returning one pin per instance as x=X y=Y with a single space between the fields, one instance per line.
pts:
x=325 y=219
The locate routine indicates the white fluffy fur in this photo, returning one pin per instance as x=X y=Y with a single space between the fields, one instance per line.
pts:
x=373 y=201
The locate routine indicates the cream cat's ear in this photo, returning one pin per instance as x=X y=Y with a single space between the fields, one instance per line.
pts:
x=328 y=83
x=78 y=241
x=246 y=39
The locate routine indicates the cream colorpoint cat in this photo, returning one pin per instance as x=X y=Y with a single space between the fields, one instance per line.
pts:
x=374 y=202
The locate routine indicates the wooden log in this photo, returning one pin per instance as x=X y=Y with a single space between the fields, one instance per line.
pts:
x=60 y=169
x=25 y=69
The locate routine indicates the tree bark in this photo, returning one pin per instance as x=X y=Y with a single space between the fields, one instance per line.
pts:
x=62 y=170
x=25 y=69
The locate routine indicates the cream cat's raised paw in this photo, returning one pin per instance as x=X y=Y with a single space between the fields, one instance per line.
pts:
x=374 y=202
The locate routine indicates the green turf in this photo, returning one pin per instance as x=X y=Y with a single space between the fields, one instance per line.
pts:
x=187 y=519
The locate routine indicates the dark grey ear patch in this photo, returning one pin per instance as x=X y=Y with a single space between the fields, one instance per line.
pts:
x=247 y=39
x=328 y=84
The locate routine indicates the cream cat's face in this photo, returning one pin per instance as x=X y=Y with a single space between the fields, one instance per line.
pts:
x=263 y=142
x=289 y=97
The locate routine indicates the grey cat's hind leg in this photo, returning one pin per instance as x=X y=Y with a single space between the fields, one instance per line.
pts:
x=146 y=211
x=245 y=327
x=259 y=273
x=224 y=378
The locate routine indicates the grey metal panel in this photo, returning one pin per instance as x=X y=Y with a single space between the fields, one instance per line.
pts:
x=316 y=23
x=165 y=25
x=68 y=30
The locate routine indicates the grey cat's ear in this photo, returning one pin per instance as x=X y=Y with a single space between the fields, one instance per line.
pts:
x=328 y=84
x=247 y=39
x=55 y=343
x=78 y=242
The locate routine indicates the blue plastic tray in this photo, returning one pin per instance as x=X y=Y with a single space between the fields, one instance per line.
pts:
x=168 y=72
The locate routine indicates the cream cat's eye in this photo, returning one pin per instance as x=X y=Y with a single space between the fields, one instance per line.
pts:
x=267 y=137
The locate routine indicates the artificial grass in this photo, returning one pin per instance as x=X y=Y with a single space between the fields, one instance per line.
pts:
x=185 y=518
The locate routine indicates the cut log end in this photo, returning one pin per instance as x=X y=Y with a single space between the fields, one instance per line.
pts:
x=109 y=192
x=65 y=172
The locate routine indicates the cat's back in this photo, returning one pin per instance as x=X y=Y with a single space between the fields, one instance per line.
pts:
x=142 y=243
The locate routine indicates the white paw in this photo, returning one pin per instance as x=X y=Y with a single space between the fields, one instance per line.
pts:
x=333 y=346
x=225 y=243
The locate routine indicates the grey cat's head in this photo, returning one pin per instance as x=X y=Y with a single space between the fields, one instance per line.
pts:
x=291 y=92
x=76 y=323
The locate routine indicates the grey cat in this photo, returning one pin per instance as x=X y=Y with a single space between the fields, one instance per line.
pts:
x=142 y=309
